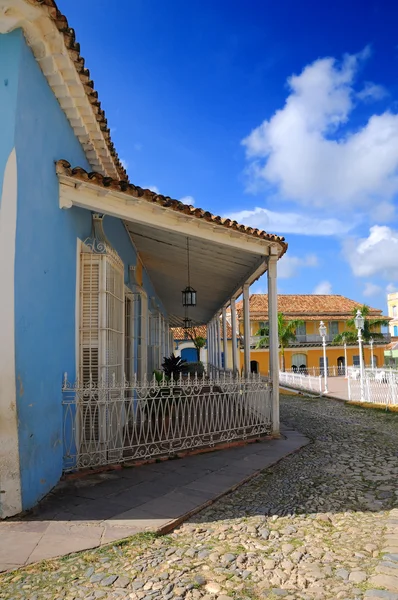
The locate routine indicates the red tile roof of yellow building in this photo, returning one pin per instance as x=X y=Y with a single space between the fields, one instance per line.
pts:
x=310 y=307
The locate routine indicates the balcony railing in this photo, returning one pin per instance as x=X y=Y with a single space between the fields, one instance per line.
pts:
x=315 y=339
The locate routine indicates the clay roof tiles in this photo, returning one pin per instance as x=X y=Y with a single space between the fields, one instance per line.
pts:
x=64 y=168
x=310 y=306
x=73 y=48
x=179 y=333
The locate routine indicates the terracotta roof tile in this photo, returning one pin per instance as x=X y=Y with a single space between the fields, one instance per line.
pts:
x=310 y=306
x=179 y=333
x=64 y=168
x=73 y=48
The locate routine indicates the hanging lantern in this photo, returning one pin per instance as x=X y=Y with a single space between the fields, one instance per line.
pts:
x=359 y=320
x=188 y=294
x=187 y=323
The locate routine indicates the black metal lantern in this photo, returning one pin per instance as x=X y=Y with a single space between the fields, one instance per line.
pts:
x=188 y=294
x=187 y=323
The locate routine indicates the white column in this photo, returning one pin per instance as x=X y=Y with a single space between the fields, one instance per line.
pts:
x=213 y=344
x=209 y=348
x=273 y=340
x=218 y=334
x=225 y=338
x=235 y=365
x=246 y=326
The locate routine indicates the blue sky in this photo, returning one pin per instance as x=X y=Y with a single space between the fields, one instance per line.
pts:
x=283 y=115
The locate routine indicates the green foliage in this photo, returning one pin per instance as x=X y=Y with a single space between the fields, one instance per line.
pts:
x=286 y=334
x=198 y=341
x=351 y=335
x=172 y=366
x=194 y=368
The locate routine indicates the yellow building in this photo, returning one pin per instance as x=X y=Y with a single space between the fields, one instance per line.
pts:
x=307 y=351
x=392 y=301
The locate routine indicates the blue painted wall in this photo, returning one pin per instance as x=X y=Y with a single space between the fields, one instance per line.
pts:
x=45 y=288
x=10 y=46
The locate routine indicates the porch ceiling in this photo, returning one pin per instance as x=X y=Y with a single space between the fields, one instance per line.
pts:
x=217 y=271
x=224 y=254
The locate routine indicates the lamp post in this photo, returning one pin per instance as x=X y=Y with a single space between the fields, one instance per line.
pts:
x=345 y=358
x=359 y=324
x=322 y=333
x=371 y=352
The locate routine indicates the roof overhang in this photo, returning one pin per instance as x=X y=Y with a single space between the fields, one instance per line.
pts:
x=222 y=259
x=54 y=46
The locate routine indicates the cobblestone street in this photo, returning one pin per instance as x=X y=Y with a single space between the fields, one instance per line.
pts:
x=318 y=525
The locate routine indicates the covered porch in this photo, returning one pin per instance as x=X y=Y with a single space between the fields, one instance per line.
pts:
x=131 y=412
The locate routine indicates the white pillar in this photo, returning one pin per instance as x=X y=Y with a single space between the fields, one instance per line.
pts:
x=219 y=349
x=225 y=338
x=273 y=340
x=213 y=343
x=235 y=364
x=209 y=343
x=246 y=326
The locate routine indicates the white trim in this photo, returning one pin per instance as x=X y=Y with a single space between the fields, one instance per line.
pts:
x=55 y=60
x=124 y=206
x=10 y=476
x=77 y=307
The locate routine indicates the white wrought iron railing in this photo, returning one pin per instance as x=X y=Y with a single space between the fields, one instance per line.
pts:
x=379 y=386
x=113 y=422
x=301 y=381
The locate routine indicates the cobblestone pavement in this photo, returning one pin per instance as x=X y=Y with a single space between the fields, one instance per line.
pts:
x=318 y=525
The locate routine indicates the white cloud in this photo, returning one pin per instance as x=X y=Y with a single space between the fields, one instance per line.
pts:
x=285 y=222
x=303 y=153
x=323 y=288
x=391 y=288
x=124 y=162
x=371 y=289
x=289 y=266
x=188 y=200
x=153 y=188
x=374 y=255
x=372 y=91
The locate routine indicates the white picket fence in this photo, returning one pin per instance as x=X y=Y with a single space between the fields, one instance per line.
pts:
x=380 y=386
x=301 y=381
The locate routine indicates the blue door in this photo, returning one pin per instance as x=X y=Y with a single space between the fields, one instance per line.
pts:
x=189 y=354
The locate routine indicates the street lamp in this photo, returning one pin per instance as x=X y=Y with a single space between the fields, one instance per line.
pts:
x=359 y=324
x=345 y=357
x=371 y=341
x=322 y=333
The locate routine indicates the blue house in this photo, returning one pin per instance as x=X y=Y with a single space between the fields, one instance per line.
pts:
x=92 y=269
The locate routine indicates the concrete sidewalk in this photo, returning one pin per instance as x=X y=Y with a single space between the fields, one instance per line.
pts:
x=98 y=509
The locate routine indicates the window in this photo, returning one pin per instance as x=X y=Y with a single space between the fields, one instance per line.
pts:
x=355 y=360
x=299 y=362
x=101 y=317
x=321 y=365
x=395 y=311
x=333 y=328
x=301 y=332
x=263 y=325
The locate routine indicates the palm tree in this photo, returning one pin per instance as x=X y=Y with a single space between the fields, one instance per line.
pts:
x=198 y=341
x=286 y=334
x=351 y=336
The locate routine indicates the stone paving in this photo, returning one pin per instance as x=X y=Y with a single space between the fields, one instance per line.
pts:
x=105 y=507
x=320 y=524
